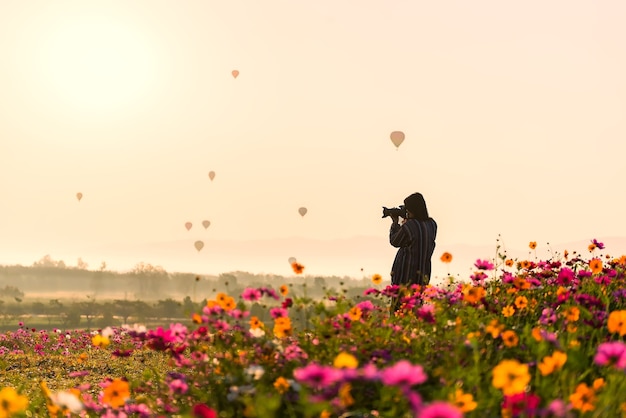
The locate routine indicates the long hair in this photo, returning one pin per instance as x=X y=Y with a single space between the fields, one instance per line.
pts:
x=417 y=205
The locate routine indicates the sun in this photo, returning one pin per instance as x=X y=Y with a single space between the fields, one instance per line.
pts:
x=98 y=63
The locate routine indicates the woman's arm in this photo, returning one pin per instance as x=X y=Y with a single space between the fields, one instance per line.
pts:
x=399 y=235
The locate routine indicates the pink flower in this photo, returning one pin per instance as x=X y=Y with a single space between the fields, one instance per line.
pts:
x=440 y=409
x=317 y=376
x=483 y=265
x=611 y=353
x=403 y=373
x=279 y=313
x=251 y=294
x=521 y=404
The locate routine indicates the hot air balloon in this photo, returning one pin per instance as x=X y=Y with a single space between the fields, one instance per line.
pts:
x=206 y=224
x=302 y=211
x=235 y=73
x=397 y=137
x=199 y=245
x=79 y=196
x=291 y=260
x=188 y=225
x=211 y=175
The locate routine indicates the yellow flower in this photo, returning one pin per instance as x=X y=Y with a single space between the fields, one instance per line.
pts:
x=584 y=399
x=281 y=385
x=284 y=290
x=116 y=393
x=355 y=313
x=446 y=257
x=617 y=322
x=100 y=341
x=595 y=265
x=11 y=402
x=521 y=302
x=552 y=363
x=377 y=279
x=532 y=245
x=510 y=338
x=464 y=401
x=511 y=377
x=345 y=361
x=508 y=311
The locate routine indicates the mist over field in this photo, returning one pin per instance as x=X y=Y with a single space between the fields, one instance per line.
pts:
x=354 y=258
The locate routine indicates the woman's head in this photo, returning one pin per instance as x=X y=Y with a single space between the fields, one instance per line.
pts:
x=417 y=206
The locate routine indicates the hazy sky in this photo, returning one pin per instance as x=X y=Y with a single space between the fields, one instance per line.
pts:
x=514 y=116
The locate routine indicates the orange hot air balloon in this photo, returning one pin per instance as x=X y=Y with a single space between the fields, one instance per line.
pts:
x=199 y=245
x=397 y=137
x=211 y=175
x=302 y=211
x=79 y=196
x=235 y=73
x=188 y=225
x=206 y=224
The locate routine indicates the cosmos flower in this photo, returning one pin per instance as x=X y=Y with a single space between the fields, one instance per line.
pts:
x=116 y=393
x=511 y=377
x=446 y=257
x=377 y=279
x=440 y=409
x=611 y=353
x=297 y=267
x=403 y=373
x=483 y=265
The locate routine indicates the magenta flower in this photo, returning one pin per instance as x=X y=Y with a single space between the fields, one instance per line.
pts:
x=483 y=265
x=521 y=404
x=317 y=376
x=611 y=353
x=279 y=313
x=203 y=411
x=403 y=373
x=558 y=409
x=599 y=245
x=440 y=409
x=251 y=294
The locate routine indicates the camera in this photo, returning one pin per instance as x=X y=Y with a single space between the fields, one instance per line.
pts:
x=400 y=212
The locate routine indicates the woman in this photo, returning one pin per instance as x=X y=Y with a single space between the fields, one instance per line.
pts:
x=415 y=240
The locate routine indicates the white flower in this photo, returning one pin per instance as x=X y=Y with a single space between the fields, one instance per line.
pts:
x=67 y=400
x=257 y=332
x=107 y=332
x=255 y=371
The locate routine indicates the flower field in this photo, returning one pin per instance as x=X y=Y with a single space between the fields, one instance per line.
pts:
x=518 y=338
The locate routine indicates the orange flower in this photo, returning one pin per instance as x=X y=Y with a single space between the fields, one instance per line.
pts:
x=377 y=279
x=446 y=257
x=552 y=363
x=572 y=314
x=196 y=318
x=494 y=328
x=116 y=393
x=617 y=322
x=255 y=323
x=281 y=385
x=228 y=304
x=509 y=262
x=584 y=399
x=508 y=311
x=284 y=290
x=282 y=327
x=221 y=297
x=510 y=338
x=297 y=267
x=521 y=302
x=532 y=245
x=595 y=265
x=355 y=313
x=536 y=333
x=473 y=294
x=525 y=264
x=592 y=247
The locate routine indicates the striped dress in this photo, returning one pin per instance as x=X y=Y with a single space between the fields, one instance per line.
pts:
x=415 y=241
